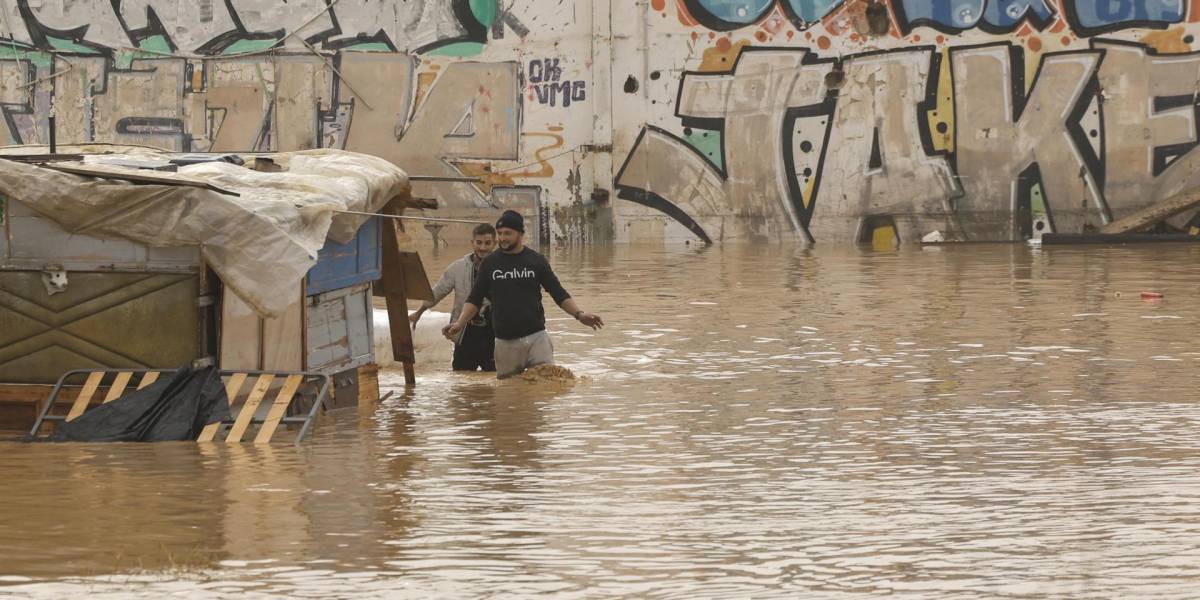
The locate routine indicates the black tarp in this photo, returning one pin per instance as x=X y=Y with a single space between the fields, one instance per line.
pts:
x=171 y=409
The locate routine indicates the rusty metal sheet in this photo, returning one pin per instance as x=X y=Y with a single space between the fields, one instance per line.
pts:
x=339 y=330
x=102 y=320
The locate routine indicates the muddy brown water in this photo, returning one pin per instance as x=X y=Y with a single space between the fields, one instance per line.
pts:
x=959 y=422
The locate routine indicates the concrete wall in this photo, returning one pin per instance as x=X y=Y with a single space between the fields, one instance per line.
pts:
x=824 y=120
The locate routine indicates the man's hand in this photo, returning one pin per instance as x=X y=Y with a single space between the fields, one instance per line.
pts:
x=451 y=331
x=414 y=317
x=593 y=321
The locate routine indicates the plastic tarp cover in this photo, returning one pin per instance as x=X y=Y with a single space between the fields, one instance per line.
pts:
x=262 y=241
x=170 y=409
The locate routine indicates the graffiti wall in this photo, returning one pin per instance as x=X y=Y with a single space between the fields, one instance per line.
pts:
x=842 y=121
x=645 y=120
x=467 y=90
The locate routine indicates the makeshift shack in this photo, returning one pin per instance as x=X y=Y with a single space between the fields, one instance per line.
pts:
x=137 y=259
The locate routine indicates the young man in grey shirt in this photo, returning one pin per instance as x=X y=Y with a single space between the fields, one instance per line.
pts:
x=474 y=346
x=512 y=279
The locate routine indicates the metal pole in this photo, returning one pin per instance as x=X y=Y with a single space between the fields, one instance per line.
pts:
x=371 y=214
x=448 y=178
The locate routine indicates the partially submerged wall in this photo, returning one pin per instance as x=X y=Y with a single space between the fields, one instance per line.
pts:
x=824 y=120
x=838 y=121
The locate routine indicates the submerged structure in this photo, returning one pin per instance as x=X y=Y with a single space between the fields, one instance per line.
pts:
x=135 y=260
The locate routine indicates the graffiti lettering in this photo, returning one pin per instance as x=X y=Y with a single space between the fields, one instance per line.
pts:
x=1091 y=17
x=1087 y=17
x=726 y=15
x=958 y=15
x=545 y=77
x=1012 y=154
x=751 y=104
x=1148 y=138
x=285 y=102
x=997 y=141
x=544 y=70
x=876 y=162
x=211 y=27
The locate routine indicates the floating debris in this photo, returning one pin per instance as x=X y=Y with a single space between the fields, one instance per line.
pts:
x=548 y=373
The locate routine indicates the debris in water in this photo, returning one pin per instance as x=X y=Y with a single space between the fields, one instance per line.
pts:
x=1152 y=295
x=548 y=373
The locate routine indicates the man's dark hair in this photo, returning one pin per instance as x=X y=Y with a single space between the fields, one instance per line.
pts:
x=483 y=229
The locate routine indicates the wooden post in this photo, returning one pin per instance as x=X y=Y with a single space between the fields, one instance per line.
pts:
x=394 y=293
x=1152 y=215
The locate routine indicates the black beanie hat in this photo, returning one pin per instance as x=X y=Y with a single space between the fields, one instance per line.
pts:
x=512 y=220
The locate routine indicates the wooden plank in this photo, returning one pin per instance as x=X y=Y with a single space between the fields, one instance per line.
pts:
x=368 y=385
x=407 y=200
x=148 y=379
x=20 y=404
x=118 y=386
x=85 y=395
x=241 y=334
x=42 y=158
x=397 y=303
x=279 y=409
x=416 y=281
x=142 y=178
x=1065 y=239
x=232 y=388
x=1151 y=215
x=249 y=408
x=35 y=393
x=283 y=337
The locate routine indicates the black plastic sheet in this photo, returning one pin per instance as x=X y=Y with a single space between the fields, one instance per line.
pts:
x=173 y=408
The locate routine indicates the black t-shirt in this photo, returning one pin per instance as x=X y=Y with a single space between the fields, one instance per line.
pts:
x=514 y=282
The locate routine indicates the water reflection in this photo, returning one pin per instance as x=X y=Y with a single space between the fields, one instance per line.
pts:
x=756 y=422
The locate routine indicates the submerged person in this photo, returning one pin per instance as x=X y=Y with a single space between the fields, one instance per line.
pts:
x=475 y=345
x=512 y=279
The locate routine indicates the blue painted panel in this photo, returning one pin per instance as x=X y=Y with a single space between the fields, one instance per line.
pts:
x=342 y=265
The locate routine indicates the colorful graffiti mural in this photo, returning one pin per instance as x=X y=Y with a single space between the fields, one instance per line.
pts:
x=1088 y=17
x=839 y=126
x=720 y=120
x=365 y=102
x=209 y=27
x=395 y=80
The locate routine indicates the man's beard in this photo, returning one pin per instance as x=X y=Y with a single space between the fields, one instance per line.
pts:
x=505 y=245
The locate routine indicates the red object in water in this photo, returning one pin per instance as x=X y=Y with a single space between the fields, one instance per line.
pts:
x=1151 y=295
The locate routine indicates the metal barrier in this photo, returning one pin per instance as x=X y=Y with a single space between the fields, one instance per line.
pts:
x=235 y=380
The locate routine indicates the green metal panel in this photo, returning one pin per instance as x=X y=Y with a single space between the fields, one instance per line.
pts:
x=102 y=320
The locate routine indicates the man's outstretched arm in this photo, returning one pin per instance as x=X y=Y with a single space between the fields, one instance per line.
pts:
x=593 y=321
x=564 y=300
x=441 y=289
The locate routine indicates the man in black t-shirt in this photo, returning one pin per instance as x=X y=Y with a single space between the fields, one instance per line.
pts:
x=512 y=279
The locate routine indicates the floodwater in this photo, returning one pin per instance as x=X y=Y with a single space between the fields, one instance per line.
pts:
x=767 y=422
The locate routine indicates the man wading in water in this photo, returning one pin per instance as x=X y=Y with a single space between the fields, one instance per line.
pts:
x=475 y=347
x=512 y=280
